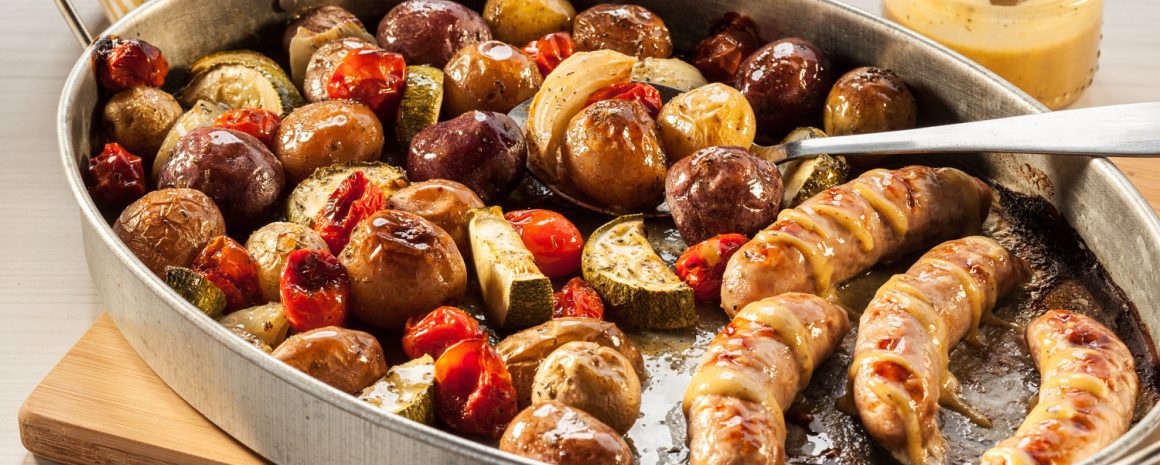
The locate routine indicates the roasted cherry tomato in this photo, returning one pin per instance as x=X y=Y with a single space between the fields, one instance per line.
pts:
x=647 y=95
x=473 y=389
x=315 y=290
x=550 y=50
x=436 y=331
x=734 y=37
x=373 y=77
x=227 y=264
x=702 y=265
x=257 y=122
x=125 y=63
x=355 y=199
x=577 y=299
x=117 y=176
x=553 y=240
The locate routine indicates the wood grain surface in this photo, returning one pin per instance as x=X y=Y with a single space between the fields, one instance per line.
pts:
x=47 y=299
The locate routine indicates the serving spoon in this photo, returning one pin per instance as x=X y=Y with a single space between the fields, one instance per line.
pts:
x=1131 y=130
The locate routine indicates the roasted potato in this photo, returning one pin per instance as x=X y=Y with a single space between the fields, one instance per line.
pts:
x=628 y=29
x=705 y=117
x=483 y=150
x=518 y=22
x=592 y=378
x=869 y=99
x=325 y=133
x=722 y=190
x=488 y=76
x=316 y=28
x=612 y=153
x=522 y=352
x=267 y=322
x=168 y=227
x=201 y=115
x=270 y=246
x=786 y=83
x=429 y=32
x=321 y=66
x=442 y=202
x=557 y=434
x=346 y=359
x=733 y=38
x=139 y=119
x=234 y=168
x=400 y=266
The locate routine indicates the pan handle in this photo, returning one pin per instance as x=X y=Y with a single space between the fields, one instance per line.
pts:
x=69 y=12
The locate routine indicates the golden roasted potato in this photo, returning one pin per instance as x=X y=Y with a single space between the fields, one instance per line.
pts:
x=557 y=434
x=869 y=99
x=707 y=116
x=326 y=133
x=168 y=227
x=488 y=76
x=270 y=246
x=139 y=119
x=344 y=358
x=612 y=153
x=442 y=202
x=518 y=22
x=592 y=378
x=628 y=29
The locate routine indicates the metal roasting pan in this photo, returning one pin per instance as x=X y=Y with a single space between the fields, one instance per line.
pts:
x=293 y=419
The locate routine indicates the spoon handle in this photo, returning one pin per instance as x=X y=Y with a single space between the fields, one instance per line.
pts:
x=1131 y=130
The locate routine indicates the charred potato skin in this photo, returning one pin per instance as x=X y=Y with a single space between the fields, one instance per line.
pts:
x=722 y=190
x=322 y=64
x=442 y=202
x=327 y=133
x=593 y=378
x=612 y=153
x=168 y=227
x=628 y=29
x=271 y=244
x=346 y=359
x=869 y=99
x=400 y=266
x=518 y=22
x=488 y=76
x=139 y=119
x=561 y=435
x=429 y=32
x=786 y=82
x=234 y=168
x=484 y=151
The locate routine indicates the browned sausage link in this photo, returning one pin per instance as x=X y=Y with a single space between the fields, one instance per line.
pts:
x=899 y=372
x=1086 y=397
x=843 y=231
x=753 y=370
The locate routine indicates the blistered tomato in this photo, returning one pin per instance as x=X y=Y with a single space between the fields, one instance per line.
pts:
x=554 y=241
x=577 y=299
x=355 y=199
x=550 y=50
x=647 y=95
x=315 y=290
x=257 y=122
x=702 y=265
x=117 y=176
x=474 y=393
x=373 y=77
x=436 y=331
x=227 y=264
x=125 y=63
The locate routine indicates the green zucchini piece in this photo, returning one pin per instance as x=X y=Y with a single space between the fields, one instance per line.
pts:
x=806 y=178
x=193 y=287
x=407 y=390
x=241 y=79
x=515 y=292
x=638 y=287
x=422 y=99
x=311 y=194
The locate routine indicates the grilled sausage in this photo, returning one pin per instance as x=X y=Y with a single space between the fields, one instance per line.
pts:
x=843 y=231
x=1086 y=397
x=899 y=372
x=752 y=371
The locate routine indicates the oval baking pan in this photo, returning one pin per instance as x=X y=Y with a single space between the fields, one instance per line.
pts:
x=291 y=418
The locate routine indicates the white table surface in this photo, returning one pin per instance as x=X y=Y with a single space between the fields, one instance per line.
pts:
x=47 y=299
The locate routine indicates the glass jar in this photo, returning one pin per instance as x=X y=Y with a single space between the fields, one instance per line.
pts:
x=1048 y=48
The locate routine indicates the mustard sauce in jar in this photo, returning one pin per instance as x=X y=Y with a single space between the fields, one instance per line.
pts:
x=1048 y=48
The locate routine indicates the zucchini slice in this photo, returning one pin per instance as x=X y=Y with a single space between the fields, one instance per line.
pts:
x=806 y=178
x=515 y=292
x=241 y=79
x=200 y=292
x=422 y=99
x=311 y=194
x=638 y=286
x=407 y=390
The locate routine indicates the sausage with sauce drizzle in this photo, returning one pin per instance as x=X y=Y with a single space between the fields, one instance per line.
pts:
x=843 y=231
x=899 y=373
x=1086 y=397
x=752 y=371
